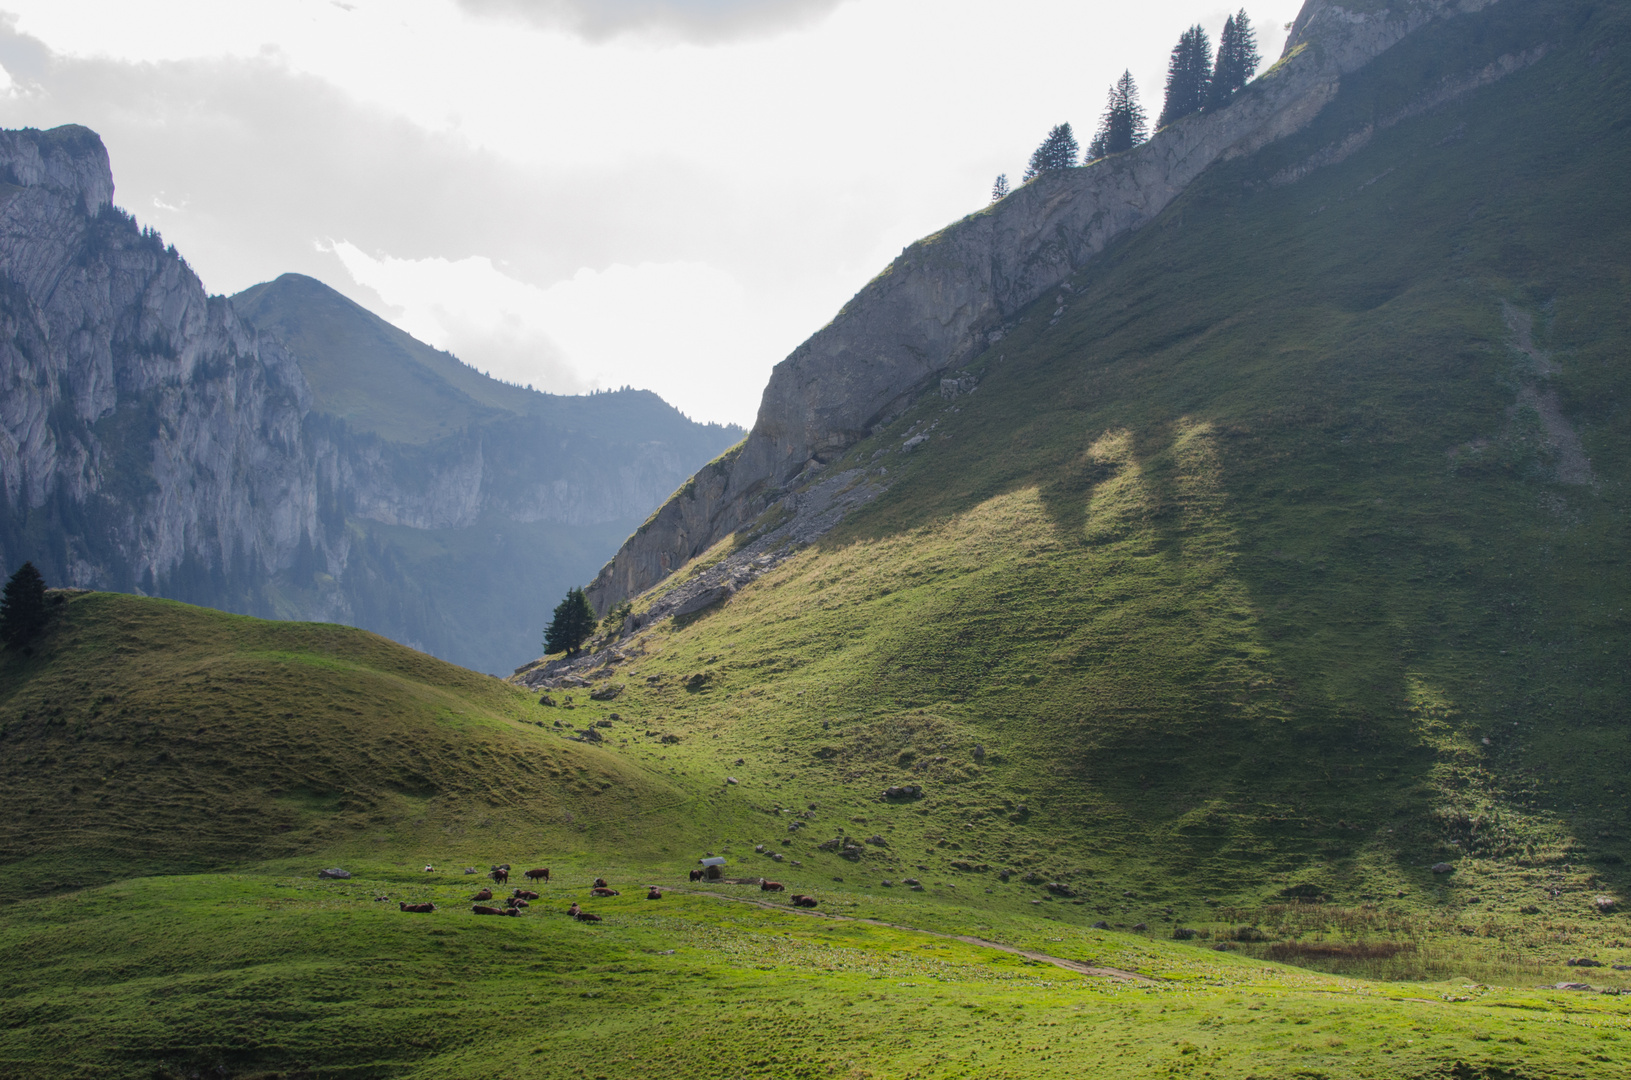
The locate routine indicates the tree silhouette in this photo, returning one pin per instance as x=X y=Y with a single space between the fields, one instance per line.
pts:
x=999 y=190
x=1237 y=59
x=1189 y=76
x=22 y=608
x=1124 y=125
x=574 y=620
x=1058 y=151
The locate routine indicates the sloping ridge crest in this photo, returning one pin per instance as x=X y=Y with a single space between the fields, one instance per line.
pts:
x=946 y=297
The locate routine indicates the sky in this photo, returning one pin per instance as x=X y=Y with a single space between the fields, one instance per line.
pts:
x=580 y=194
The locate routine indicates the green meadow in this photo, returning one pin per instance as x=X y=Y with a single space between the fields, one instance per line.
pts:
x=1265 y=605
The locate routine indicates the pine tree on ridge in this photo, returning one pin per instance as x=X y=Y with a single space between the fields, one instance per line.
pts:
x=999 y=189
x=1189 y=76
x=1237 y=59
x=1124 y=125
x=1058 y=151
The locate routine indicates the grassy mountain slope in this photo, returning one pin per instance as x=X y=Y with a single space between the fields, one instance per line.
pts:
x=1269 y=566
x=375 y=377
x=146 y=736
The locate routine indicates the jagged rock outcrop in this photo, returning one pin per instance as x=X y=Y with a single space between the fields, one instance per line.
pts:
x=154 y=439
x=945 y=299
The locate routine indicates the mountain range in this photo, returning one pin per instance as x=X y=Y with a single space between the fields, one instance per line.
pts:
x=286 y=453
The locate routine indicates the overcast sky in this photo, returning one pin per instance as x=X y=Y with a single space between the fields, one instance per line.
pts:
x=669 y=194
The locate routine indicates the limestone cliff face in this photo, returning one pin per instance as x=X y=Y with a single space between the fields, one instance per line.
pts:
x=945 y=298
x=154 y=439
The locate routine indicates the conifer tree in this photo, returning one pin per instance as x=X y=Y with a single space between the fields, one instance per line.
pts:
x=22 y=608
x=999 y=190
x=1124 y=125
x=1189 y=76
x=1237 y=59
x=574 y=620
x=1058 y=151
x=1222 y=87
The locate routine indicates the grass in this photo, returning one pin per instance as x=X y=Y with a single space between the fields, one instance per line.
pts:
x=1233 y=601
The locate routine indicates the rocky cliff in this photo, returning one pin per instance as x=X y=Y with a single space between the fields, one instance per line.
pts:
x=946 y=298
x=160 y=440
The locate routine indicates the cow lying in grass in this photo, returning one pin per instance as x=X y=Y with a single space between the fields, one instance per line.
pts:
x=418 y=909
x=800 y=900
x=654 y=893
x=524 y=894
x=581 y=915
x=483 y=909
x=766 y=885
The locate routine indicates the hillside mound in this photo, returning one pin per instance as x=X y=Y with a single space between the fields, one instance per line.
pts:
x=146 y=736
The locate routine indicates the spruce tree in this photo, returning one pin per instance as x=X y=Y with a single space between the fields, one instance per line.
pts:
x=22 y=609
x=999 y=190
x=1058 y=151
x=574 y=620
x=1124 y=125
x=1189 y=76
x=1237 y=59
x=1223 y=75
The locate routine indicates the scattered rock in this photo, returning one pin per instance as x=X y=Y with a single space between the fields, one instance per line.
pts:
x=1585 y=961
x=1059 y=888
x=669 y=740
x=877 y=841
x=887 y=884
x=776 y=855
x=1603 y=904
x=334 y=873
x=1032 y=878
x=919 y=888
x=1139 y=927
x=913 y=881
x=1005 y=874
x=1529 y=909
x=470 y=870
x=739 y=761
x=1571 y=986
x=1183 y=933
x=958 y=385
x=760 y=848
x=903 y=791
x=1100 y=925
x=707 y=598
x=1621 y=967
x=547 y=700
x=1442 y=868
x=603 y=723
x=606 y=693
x=979 y=752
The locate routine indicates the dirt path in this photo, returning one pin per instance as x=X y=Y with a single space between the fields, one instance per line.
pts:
x=1056 y=961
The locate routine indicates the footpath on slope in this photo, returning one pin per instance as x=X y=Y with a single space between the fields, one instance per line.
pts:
x=1057 y=961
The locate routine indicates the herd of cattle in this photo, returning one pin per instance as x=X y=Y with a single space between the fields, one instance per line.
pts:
x=521 y=898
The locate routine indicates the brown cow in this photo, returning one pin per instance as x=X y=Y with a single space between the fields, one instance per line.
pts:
x=584 y=916
x=697 y=875
x=418 y=909
x=540 y=874
x=500 y=874
x=604 y=892
x=483 y=909
x=485 y=894
x=800 y=900
x=524 y=894
x=766 y=885
x=600 y=883
x=574 y=909
x=654 y=893
x=514 y=903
